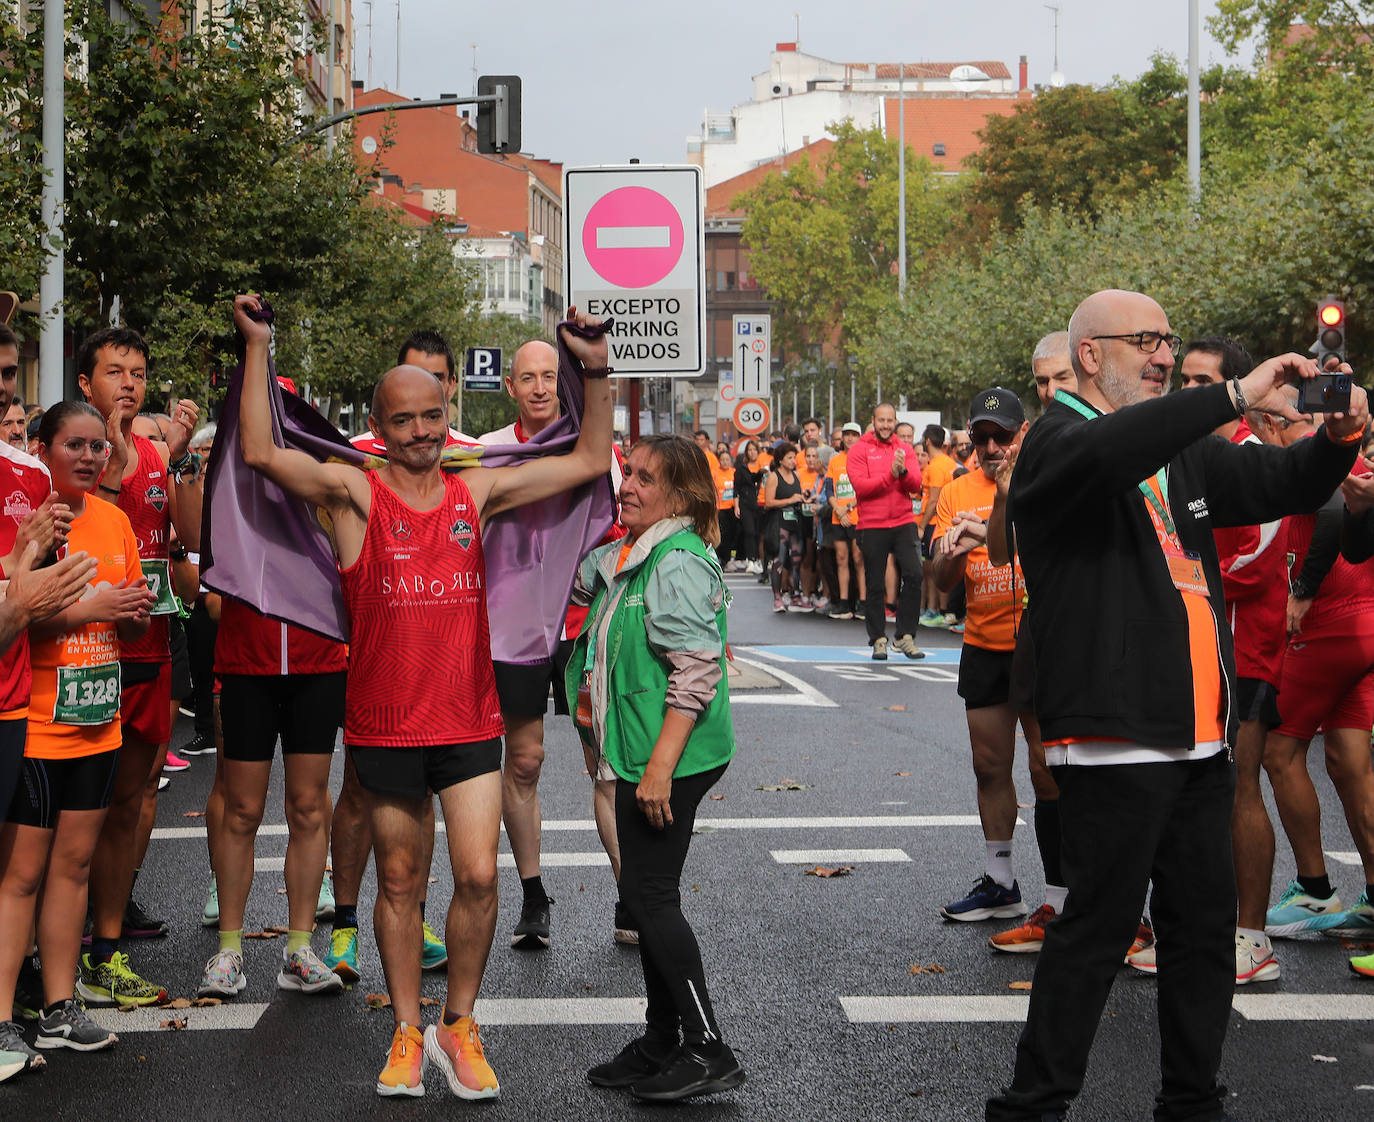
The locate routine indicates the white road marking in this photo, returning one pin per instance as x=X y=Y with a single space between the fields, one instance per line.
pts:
x=269 y=864
x=230 y=1015
x=559 y=1011
x=559 y=825
x=973 y=1007
x=809 y=694
x=556 y=860
x=1344 y=856
x=633 y=237
x=1304 y=1006
x=836 y=856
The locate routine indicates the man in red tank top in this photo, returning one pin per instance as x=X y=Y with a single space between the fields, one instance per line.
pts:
x=422 y=714
x=150 y=482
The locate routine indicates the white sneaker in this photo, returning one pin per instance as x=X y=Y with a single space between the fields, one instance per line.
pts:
x=1255 y=959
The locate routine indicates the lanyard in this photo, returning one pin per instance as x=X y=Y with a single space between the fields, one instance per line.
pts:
x=1162 y=480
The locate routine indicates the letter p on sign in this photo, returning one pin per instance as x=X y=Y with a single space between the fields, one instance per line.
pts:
x=482 y=371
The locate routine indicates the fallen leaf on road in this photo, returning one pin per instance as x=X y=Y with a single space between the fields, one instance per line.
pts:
x=1356 y=945
x=826 y=872
x=901 y=773
x=1323 y=1059
x=176 y=1023
x=429 y=1001
x=896 y=708
x=178 y=1003
x=717 y=798
x=377 y=1001
x=433 y=880
x=281 y=892
x=928 y=968
x=278 y=930
x=1024 y=806
x=1018 y=985
x=261 y=934
x=203 y=1002
x=193 y=814
x=784 y=787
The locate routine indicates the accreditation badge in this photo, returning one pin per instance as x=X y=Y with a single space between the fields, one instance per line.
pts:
x=1185 y=569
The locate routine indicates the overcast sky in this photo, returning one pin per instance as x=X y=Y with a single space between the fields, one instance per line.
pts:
x=606 y=81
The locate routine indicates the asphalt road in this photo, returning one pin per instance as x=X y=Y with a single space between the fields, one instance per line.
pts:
x=880 y=753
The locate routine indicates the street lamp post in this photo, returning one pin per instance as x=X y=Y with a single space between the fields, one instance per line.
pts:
x=1194 y=99
x=51 y=323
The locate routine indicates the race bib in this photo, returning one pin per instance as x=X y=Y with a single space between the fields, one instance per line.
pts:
x=157 y=574
x=789 y=514
x=843 y=488
x=727 y=495
x=87 y=695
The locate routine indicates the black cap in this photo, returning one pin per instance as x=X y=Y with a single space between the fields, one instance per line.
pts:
x=998 y=405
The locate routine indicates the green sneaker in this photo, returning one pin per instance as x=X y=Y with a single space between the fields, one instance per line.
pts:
x=209 y=917
x=114 y=983
x=1357 y=921
x=15 y=1053
x=433 y=951
x=324 y=906
x=1363 y=965
x=342 y=957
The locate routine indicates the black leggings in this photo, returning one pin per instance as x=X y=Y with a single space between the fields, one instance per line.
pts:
x=791 y=548
x=650 y=874
x=747 y=542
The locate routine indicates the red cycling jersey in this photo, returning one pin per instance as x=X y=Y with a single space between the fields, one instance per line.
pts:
x=248 y=642
x=419 y=668
x=146 y=499
x=24 y=484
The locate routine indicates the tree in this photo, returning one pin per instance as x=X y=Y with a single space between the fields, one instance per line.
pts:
x=823 y=238
x=1308 y=34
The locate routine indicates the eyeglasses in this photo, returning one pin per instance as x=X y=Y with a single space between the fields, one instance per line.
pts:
x=1003 y=437
x=1147 y=342
x=99 y=448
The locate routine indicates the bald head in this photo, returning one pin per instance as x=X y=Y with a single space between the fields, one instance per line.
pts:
x=533 y=384
x=536 y=352
x=404 y=381
x=1115 y=371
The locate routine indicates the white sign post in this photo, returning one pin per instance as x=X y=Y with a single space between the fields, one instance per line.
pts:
x=751 y=350
x=635 y=248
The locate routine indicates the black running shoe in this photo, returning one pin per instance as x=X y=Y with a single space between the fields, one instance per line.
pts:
x=532 y=932
x=637 y=1060
x=28 y=990
x=138 y=924
x=202 y=744
x=688 y=1073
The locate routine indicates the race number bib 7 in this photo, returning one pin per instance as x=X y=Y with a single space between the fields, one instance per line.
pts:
x=159 y=579
x=87 y=695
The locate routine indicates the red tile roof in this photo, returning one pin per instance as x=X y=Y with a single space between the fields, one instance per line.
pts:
x=915 y=70
x=951 y=121
x=720 y=198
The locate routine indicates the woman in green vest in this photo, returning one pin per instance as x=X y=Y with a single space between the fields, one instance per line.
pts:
x=647 y=682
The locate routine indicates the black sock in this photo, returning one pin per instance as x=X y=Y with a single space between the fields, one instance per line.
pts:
x=1319 y=888
x=102 y=950
x=702 y=1046
x=533 y=888
x=1369 y=893
x=49 y=1010
x=422 y=910
x=1048 y=839
x=345 y=915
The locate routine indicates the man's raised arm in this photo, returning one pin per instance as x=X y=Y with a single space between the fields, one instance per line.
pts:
x=591 y=456
x=294 y=472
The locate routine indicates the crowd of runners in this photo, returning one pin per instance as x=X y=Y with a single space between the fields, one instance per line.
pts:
x=1219 y=538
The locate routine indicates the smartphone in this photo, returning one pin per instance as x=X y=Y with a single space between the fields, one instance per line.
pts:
x=1326 y=393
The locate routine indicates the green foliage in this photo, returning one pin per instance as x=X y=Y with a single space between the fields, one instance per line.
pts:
x=823 y=239
x=1338 y=32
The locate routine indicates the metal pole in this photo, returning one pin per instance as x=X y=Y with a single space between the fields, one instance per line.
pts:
x=830 y=417
x=901 y=182
x=812 y=411
x=853 y=409
x=879 y=399
x=794 y=403
x=50 y=339
x=1194 y=109
x=329 y=96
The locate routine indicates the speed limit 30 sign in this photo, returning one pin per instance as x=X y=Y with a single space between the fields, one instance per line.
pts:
x=751 y=416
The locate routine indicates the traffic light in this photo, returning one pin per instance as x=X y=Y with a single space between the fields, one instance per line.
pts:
x=498 y=123
x=1330 y=331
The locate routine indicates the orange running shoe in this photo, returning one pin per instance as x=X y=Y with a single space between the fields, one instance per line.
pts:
x=1142 y=952
x=457 y=1052
x=1029 y=937
x=405 y=1066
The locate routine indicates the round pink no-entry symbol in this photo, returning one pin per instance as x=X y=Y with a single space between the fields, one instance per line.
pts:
x=632 y=237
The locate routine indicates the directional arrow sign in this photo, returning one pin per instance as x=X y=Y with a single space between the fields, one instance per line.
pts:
x=753 y=355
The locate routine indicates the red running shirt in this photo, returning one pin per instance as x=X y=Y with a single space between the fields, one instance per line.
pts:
x=146 y=499
x=24 y=485
x=419 y=668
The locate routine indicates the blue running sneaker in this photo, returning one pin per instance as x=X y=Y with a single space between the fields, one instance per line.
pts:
x=342 y=956
x=1358 y=921
x=1297 y=912
x=433 y=952
x=987 y=900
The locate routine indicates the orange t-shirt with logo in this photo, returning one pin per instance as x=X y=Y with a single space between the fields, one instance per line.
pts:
x=725 y=487
x=74 y=708
x=994 y=592
x=937 y=474
x=838 y=471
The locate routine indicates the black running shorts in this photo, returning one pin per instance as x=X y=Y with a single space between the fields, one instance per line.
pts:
x=305 y=710
x=412 y=773
x=524 y=688
x=48 y=787
x=1257 y=700
x=984 y=677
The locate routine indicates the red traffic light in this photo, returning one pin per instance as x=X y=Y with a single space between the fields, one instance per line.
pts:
x=1331 y=314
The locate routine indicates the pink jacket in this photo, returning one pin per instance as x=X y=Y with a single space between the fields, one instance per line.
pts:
x=883 y=500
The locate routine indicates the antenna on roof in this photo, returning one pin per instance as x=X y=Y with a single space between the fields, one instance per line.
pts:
x=797 y=16
x=1056 y=75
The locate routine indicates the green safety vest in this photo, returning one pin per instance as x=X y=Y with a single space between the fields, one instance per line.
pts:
x=637 y=679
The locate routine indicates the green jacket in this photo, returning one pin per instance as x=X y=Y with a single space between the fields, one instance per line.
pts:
x=628 y=673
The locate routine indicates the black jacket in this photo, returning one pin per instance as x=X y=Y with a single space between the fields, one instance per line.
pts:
x=1110 y=629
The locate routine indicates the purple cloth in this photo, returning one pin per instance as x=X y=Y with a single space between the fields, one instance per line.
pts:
x=269 y=549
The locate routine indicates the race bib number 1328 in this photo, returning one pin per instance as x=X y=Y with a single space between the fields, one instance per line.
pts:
x=87 y=695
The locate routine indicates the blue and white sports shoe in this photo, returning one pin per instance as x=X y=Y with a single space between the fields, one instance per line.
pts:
x=1296 y=912
x=1357 y=921
x=987 y=900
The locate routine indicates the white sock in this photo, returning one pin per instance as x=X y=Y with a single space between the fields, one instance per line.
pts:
x=998 y=862
x=1251 y=934
x=1055 y=895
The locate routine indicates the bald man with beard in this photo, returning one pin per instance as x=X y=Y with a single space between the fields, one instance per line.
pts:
x=1113 y=500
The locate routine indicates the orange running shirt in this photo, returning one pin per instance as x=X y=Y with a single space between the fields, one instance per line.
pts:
x=937 y=474
x=725 y=488
x=838 y=470
x=994 y=593
x=74 y=709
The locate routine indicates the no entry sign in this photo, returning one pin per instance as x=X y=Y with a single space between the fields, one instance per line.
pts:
x=634 y=241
